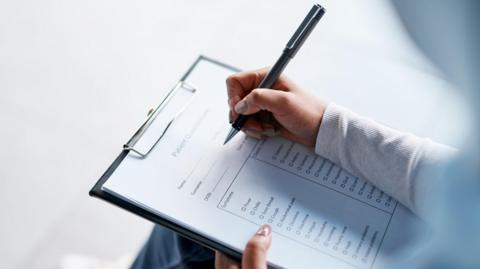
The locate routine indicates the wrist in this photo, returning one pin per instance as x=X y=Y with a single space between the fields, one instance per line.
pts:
x=321 y=108
x=328 y=130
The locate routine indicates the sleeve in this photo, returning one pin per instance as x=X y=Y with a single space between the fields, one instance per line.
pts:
x=398 y=163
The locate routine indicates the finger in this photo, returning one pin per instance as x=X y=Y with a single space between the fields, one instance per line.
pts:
x=267 y=99
x=255 y=134
x=255 y=254
x=240 y=84
x=260 y=130
x=223 y=262
x=253 y=125
x=254 y=129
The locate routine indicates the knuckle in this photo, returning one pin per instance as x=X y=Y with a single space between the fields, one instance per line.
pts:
x=254 y=246
x=258 y=74
x=256 y=95
x=283 y=78
x=229 y=79
x=232 y=80
x=285 y=99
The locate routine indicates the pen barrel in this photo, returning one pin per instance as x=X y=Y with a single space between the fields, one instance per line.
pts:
x=240 y=122
x=268 y=82
x=293 y=45
x=276 y=70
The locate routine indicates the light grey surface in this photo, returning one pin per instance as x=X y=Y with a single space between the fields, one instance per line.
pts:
x=78 y=77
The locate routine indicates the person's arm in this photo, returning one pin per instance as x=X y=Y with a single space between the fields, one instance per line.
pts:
x=393 y=161
x=400 y=164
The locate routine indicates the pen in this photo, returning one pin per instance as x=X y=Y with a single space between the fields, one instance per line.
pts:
x=292 y=47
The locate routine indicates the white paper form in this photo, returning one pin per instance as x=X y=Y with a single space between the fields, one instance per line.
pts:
x=320 y=214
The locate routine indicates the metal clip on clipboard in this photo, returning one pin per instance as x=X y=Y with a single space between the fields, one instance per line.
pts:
x=182 y=94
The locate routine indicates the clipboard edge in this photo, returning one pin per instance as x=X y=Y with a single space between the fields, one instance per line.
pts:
x=97 y=192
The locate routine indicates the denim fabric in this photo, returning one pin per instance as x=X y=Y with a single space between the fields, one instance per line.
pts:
x=165 y=249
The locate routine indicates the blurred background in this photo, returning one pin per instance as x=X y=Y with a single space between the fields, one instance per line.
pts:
x=78 y=77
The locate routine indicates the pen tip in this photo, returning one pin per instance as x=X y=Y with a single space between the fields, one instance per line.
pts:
x=230 y=135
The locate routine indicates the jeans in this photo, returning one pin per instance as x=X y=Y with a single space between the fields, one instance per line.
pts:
x=166 y=249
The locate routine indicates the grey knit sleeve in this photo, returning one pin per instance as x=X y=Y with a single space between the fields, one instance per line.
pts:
x=398 y=163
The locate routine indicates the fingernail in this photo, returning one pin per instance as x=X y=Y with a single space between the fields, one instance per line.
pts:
x=264 y=230
x=255 y=128
x=267 y=125
x=230 y=117
x=241 y=107
x=270 y=132
x=254 y=134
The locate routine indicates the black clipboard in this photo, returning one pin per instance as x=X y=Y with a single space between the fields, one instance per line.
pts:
x=97 y=191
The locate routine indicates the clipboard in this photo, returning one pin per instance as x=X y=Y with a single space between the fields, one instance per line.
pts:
x=301 y=194
x=130 y=149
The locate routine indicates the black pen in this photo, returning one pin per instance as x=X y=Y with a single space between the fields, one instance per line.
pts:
x=302 y=33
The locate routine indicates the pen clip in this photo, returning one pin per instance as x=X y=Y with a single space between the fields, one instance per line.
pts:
x=304 y=30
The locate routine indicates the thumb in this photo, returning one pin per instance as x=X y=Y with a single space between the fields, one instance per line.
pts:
x=267 y=99
x=255 y=254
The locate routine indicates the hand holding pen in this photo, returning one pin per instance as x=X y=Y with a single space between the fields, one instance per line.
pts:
x=263 y=99
x=297 y=113
x=269 y=78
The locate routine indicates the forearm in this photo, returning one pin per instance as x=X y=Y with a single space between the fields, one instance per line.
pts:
x=393 y=161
